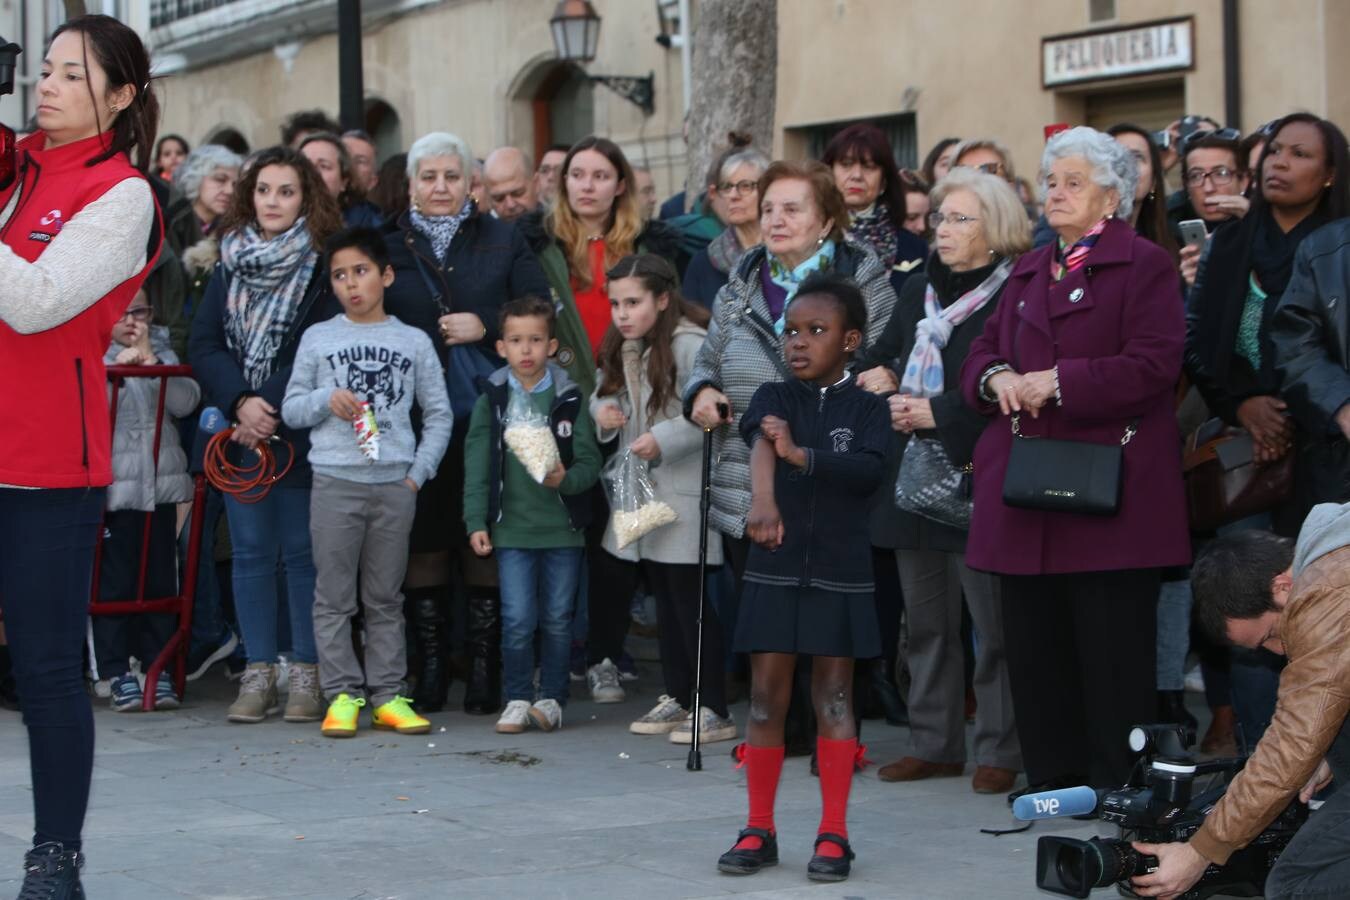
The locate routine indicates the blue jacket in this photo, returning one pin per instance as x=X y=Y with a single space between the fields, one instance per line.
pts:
x=702 y=280
x=845 y=432
x=222 y=379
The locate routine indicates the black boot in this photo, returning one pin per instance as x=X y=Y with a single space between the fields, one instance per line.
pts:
x=431 y=631
x=483 y=693
x=52 y=873
x=9 y=691
x=1172 y=710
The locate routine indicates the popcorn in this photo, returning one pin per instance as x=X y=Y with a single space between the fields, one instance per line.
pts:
x=367 y=432
x=631 y=525
x=534 y=446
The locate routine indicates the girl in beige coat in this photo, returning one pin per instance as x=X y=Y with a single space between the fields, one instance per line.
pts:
x=645 y=359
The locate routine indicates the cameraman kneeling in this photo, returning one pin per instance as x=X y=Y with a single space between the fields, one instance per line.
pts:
x=1259 y=590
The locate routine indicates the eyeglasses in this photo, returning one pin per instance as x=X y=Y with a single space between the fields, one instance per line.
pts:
x=727 y=188
x=956 y=220
x=1219 y=175
x=1222 y=134
x=139 y=313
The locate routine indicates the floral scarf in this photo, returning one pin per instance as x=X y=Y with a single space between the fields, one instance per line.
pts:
x=791 y=279
x=1067 y=258
x=873 y=227
x=268 y=279
x=440 y=230
x=924 y=375
x=724 y=250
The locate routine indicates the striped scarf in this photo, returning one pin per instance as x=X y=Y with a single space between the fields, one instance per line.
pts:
x=1067 y=258
x=268 y=280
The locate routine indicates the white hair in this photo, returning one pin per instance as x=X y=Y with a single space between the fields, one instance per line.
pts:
x=440 y=143
x=744 y=156
x=1112 y=165
x=200 y=165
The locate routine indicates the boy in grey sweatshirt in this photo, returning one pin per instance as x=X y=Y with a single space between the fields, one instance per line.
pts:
x=355 y=367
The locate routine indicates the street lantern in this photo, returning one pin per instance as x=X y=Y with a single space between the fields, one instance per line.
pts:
x=576 y=31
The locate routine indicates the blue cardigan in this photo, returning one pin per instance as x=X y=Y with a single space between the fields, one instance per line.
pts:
x=845 y=432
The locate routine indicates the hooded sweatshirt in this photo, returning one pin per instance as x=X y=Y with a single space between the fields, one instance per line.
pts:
x=1326 y=528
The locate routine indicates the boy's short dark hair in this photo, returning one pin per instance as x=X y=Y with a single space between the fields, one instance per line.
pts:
x=307 y=120
x=529 y=306
x=1231 y=578
x=843 y=291
x=360 y=237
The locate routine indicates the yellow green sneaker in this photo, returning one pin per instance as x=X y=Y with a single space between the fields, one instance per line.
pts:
x=397 y=715
x=342 y=713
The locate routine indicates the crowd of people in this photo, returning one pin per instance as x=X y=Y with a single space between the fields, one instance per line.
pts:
x=479 y=373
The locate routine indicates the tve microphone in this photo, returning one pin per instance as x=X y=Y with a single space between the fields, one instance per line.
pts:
x=1074 y=801
x=212 y=421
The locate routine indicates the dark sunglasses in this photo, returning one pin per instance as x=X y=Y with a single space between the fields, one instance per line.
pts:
x=1223 y=134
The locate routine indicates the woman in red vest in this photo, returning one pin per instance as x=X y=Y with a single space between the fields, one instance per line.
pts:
x=78 y=233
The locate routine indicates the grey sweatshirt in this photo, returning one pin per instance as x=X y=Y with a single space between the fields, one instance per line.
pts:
x=388 y=364
x=1326 y=528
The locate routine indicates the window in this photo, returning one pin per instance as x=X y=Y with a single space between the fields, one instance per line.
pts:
x=899 y=131
x=1101 y=10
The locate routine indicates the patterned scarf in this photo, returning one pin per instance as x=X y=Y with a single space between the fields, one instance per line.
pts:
x=924 y=375
x=874 y=228
x=724 y=250
x=440 y=230
x=268 y=281
x=1067 y=258
x=791 y=279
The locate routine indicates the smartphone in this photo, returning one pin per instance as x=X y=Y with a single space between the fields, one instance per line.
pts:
x=1193 y=232
x=1163 y=139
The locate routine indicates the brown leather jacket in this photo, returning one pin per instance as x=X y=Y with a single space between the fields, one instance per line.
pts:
x=1313 y=702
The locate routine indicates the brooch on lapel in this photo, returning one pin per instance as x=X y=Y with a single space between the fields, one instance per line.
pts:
x=1075 y=295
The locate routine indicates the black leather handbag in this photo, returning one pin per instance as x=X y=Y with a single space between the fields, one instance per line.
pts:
x=1065 y=476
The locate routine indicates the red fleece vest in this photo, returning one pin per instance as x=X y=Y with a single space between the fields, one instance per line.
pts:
x=54 y=407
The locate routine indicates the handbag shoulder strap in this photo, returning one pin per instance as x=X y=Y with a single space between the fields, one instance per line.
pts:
x=1130 y=430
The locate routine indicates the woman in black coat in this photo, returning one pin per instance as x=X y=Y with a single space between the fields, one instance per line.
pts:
x=980 y=230
x=454 y=267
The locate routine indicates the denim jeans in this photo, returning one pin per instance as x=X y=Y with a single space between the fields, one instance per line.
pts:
x=1317 y=861
x=275 y=529
x=538 y=589
x=1174 y=634
x=45 y=572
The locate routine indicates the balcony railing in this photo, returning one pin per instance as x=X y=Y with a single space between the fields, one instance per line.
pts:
x=164 y=12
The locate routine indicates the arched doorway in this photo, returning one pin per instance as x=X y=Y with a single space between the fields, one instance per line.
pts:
x=563 y=107
x=384 y=127
x=229 y=137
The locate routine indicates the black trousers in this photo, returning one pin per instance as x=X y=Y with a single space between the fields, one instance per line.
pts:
x=676 y=590
x=45 y=571
x=1081 y=653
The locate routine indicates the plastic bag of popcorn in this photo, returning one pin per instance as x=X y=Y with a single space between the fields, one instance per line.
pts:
x=635 y=509
x=528 y=435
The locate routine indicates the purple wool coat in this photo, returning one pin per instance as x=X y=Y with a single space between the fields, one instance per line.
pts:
x=1116 y=329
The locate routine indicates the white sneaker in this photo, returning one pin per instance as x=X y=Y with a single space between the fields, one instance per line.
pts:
x=515 y=718
x=603 y=680
x=1195 y=682
x=546 y=714
x=712 y=728
x=662 y=718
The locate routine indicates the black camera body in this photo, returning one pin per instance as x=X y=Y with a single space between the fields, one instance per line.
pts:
x=1160 y=806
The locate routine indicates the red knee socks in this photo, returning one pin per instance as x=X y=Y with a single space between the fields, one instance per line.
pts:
x=763 y=766
x=835 y=760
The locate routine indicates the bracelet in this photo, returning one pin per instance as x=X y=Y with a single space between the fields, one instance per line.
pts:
x=984 y=381
x=1059 y=401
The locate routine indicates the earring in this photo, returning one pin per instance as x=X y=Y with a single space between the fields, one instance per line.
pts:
x=114 y=110
x=820 y=241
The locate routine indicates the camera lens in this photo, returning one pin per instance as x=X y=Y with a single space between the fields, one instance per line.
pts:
x=1073 y=868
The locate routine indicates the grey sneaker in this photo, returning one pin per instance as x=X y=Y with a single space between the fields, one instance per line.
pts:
x=546 y=714
x=712 y=728
x=515 y=718
x=257 y=694
x=603 y=680
x=662 y=718
x=304 y=701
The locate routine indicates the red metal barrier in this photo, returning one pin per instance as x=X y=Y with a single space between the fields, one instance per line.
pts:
x=176 y=649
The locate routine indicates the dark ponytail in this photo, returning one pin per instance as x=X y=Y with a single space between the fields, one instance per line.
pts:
x=124 y=60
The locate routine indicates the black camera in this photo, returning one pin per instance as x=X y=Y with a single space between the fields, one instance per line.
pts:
x=1161 y=805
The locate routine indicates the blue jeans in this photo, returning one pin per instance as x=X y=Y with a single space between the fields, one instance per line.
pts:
x=538 y=588
x=1174 y=634
x=274 y=529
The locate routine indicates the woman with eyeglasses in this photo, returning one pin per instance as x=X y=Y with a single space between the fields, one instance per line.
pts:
x=980 y=229
x=736 y=190
x=1215 y=175
x=863 y=164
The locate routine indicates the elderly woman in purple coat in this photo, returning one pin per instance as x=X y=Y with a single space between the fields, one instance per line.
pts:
x=1086 y=345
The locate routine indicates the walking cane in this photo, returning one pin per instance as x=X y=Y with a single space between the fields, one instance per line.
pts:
x=695 y=761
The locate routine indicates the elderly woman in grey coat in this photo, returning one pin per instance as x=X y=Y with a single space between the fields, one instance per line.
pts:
x=802 y=223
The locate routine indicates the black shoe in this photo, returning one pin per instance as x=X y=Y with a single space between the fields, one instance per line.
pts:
x=431 y=631
x=1051 y=784
x=1172 y=710
x=748 y=862
x=52 y=873
x=483 y=691
x=830 y=868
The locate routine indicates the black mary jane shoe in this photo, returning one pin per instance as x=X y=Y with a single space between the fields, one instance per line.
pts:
x=748 y=862
x=831 y=868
